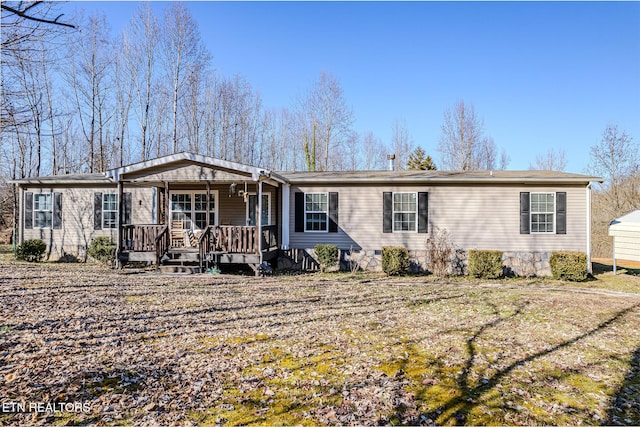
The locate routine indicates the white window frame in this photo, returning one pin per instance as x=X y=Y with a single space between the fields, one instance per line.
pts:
x=552 y=213
x=393 y=212
x=325 y=212
x=115 y=225
x=193 y=211
x=36 y=201
x=268 y=194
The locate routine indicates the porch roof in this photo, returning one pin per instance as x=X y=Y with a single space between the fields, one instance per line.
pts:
x=255 y=173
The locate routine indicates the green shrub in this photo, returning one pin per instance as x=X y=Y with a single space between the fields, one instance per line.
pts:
x=327 y=255
x=485 y=264
x=569 y=266
x=31 y=250
x=103 y=249
x=395 y=260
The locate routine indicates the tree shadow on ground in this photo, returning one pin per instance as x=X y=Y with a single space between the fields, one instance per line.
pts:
x=457 y=409
x=625 y=405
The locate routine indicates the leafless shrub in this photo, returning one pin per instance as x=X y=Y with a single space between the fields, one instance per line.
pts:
x=440 y=250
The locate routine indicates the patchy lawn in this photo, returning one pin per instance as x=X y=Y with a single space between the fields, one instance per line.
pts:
x=314 y=349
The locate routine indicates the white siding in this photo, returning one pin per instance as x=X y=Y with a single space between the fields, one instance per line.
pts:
x=477 y=217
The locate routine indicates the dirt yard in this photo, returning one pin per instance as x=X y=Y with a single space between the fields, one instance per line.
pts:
x=85 y=344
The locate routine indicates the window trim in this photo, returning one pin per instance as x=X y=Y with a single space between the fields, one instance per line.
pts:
x=393 y=212
x=326 y=212
x=50 y=210
x=553 y=212
x=264 y=193
x=105 y=210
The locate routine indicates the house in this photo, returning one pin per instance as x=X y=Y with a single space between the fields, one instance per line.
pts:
x=189 y=207
x=626 y=237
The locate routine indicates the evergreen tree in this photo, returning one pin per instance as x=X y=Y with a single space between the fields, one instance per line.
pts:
x=418 y=160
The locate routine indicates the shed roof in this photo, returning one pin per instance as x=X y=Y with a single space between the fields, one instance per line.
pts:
x=632 y=219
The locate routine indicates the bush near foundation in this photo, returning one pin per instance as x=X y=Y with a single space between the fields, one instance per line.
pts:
x=395 y=260
x=102 y=249
x=485 y=264
x=327 y=255
x=31 y=250
x=569 y=266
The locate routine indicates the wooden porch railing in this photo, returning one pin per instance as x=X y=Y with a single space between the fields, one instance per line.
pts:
x=141 y=237
x=269 y=237
x=163 y=241
x=236 y=239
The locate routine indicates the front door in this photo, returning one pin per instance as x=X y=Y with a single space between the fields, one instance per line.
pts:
x=266 y=209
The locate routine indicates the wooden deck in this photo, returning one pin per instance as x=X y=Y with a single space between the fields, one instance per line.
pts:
x=216 y=245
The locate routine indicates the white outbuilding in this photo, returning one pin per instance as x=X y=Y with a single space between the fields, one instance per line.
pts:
x=626 y=237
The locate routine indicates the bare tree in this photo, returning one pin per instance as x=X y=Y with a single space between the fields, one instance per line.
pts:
x=463 y=145
x=124 y=87
x=552 y=160
x=616 y=159
x=183 y=54
x=140 y=42
x=401 y=142
x=89 y=80
x=374 y=152
x=324 y=123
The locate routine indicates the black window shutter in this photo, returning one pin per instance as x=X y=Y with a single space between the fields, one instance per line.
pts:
x=423 y=212
x=57 y=211
x=387 y=212
x=127 y=208
x=28 y=210
x=525 y=223
x=333 y=212
x=299 y=212
x=97 y=211
x=561 y=213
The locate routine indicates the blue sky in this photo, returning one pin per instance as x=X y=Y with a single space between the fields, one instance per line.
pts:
x=542 y=75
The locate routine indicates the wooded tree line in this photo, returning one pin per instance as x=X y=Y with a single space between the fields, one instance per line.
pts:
x=79 y=100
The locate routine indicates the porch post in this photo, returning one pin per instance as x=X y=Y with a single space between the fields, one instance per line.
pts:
x=20 y=236
x=208 y=204
x=166 y=203
x=120 y=222
x=284 y=244
x=259 y=218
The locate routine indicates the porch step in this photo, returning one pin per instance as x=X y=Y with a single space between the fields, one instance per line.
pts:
x=181 y=256
x=180 y=269
x=180 y=261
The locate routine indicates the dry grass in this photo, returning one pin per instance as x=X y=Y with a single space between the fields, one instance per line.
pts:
x=316 y=349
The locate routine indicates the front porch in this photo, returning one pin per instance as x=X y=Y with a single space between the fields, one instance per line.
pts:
x=208 y=210
x=224 y=244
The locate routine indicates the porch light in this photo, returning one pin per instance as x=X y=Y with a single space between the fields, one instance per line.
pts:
x=232 y=189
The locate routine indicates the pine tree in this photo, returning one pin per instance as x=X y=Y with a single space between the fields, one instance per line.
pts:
x=418 y=160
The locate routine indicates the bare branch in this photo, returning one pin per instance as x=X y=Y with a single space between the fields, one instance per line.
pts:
x=23 y=14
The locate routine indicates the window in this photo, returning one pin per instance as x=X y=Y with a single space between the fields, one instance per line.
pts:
x=181 y=208
x=405 y=211
x=266 y=209
x=316 y=208
x=42 y=209
x=543 y=210
x=109 y=210
x=192 y=209
x=200 y=210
